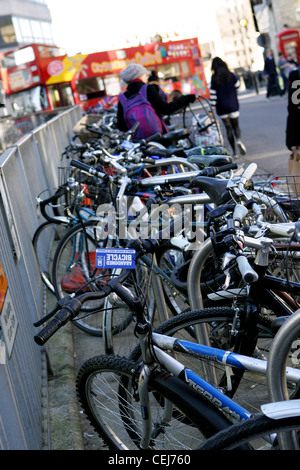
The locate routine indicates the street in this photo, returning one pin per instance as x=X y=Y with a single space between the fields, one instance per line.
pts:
x=263 y=124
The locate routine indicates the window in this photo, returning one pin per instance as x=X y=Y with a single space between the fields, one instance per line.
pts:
x=68 y=99
x=29 y=101
x=18 y=57
x=185 y=68
x=29 y=30
x=7 y=32
x=112 y=85
x=90 y=88
x=169 y=71
x=45 y=52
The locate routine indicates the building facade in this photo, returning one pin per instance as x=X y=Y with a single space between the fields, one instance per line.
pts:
x=273 y=16
x=23 y=22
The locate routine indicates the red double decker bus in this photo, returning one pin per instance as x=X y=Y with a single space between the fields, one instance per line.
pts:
x=39 y=77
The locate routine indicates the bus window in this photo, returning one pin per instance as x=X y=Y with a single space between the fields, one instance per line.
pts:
x=185 y=68
x=54 y=96
x=61 y=95
x=49 y=51
x=90 y=88
x=112 y=85
x=19 y=57
x=169 y=71
x=67 y=94
x=29 y=101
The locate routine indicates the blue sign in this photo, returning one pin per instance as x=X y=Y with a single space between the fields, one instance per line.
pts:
x=115 y=258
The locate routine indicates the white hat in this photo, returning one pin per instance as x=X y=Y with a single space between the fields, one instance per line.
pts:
x=132 y=71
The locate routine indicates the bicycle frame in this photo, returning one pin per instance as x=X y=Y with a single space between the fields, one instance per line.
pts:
x=164 y=345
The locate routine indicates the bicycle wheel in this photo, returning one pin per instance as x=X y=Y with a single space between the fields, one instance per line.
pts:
x=284 y=353
x=44 y=241
x=258 y=433
x=107 y=390
x=170 y=258
x=118 y=336
x=74 y=269
x=249 y=389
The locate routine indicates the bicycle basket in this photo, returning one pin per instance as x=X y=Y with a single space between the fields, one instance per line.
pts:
x=204 y=128
x=83 y=189
x=283 y=193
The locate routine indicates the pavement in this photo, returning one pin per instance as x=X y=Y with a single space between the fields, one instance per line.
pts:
x=64 y=426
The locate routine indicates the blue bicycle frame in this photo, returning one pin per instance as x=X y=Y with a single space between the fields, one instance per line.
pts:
x=163 y=343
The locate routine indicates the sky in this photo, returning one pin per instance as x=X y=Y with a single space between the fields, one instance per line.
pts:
x=95 y=25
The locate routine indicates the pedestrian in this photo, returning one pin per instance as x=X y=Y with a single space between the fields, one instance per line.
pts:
x=271 y=75
x=293 y=117
x=154 y=80
x=223 y=97
x=291 y=60
x=142 y=103
x=284 y=68
x=286 y=65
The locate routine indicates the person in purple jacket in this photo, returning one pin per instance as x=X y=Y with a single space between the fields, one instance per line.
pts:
x=223 y=97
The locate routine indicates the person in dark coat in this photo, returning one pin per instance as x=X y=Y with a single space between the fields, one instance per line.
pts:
x=293 y=118
x=223 y=97
x=154 y=80
x=271 y=75
x=135 y=75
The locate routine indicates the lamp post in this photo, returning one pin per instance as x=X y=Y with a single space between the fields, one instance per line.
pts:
x=244 y=28
x=244 y=24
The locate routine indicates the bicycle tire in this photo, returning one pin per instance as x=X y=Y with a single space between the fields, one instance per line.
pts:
x=116 y=415
x=284 y=353
x=252 y=390
x=119 y=338
x=169 y=258
x=70 y=267
x=254 y=434
x=44 y=241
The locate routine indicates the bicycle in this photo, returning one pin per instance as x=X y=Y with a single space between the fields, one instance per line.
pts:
x=158 y=375
x=278 y=424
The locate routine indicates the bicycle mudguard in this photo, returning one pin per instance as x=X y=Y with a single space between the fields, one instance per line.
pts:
x=282 y=409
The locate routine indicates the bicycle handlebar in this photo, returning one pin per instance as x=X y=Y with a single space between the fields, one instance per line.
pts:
x=49 y=200
x=61 y=318
x=72 y=307
x=89 y=169
x=247 y=272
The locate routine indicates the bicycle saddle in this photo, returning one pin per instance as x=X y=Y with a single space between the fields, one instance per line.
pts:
x=210 y=160
x=215 y=188
x=154 y=151
x=173 y=136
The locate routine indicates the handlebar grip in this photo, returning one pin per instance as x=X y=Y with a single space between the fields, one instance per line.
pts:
x=82 y=166
x=283 y=229
x=239 y=212
x=247 y=272
x=60 y=319
x=249 y=172
x=224 y=168
x=152 y=138
x=216 y=170
x=87 y=168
